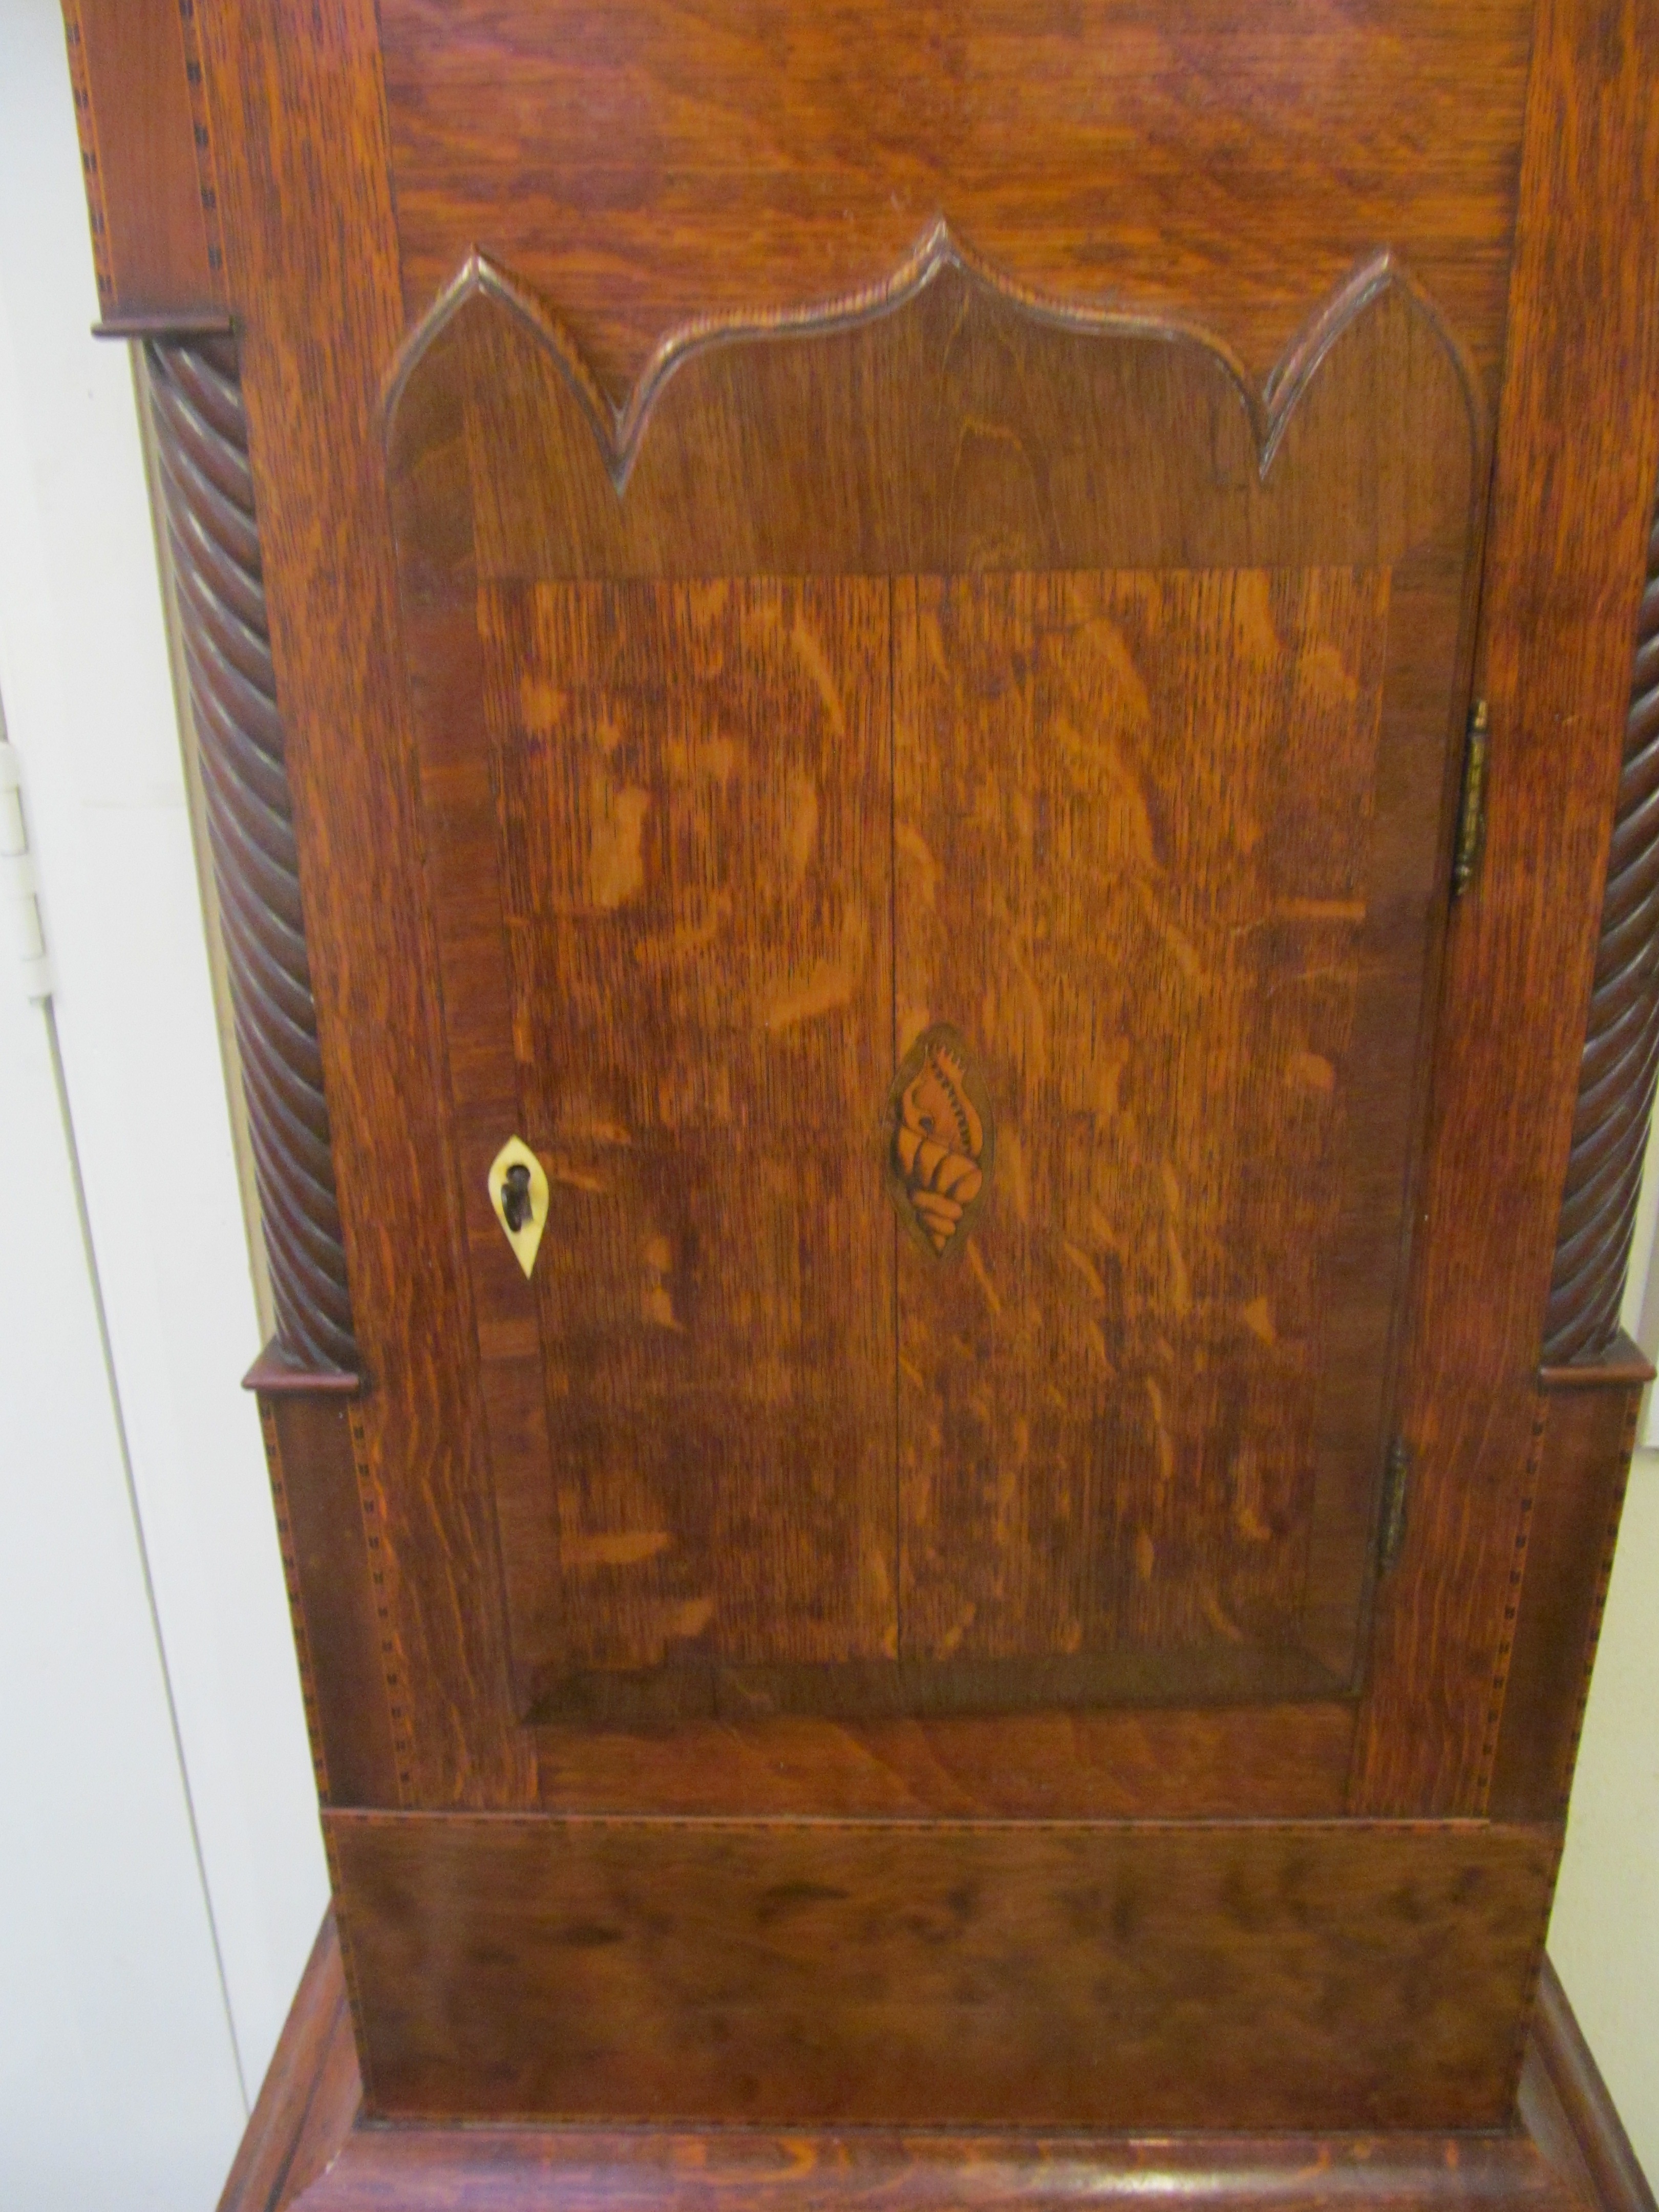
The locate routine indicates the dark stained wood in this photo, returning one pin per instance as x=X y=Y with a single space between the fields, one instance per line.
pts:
x=1048 y=1974
x=311 y=2093
x=506 y=2169
x=501 y=2169
x=274 y=1374
x=200 y=429
x=328 y=1556
x=146 y=177
x=1575 y=1490
x=298 y=119
x=641 y=164
x=1621 y=1365
x=1566 y=2108
x=939 y=421
x=209 y=322
x=1287 y=1760
x=1578 y=436
x=1621 y=1044
x=1567 y=2149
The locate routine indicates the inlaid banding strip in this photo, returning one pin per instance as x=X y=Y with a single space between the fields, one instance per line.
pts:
x=201 y=438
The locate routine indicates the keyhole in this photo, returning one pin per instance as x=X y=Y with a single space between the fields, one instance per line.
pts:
x=515 y=1196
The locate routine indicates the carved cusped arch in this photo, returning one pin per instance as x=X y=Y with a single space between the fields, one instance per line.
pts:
x=942 y=332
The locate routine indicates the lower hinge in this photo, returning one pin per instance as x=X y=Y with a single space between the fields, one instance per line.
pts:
x=1396 y=1480
x=1472 y=812
x=18 y=903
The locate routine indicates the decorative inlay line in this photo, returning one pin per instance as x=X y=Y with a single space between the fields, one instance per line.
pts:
x=91 y=173
x=1505 y=1653
x=296 y=1609
x=201 y=437
x=206 y=171
x=1621 y=1044
x=1603 y=1584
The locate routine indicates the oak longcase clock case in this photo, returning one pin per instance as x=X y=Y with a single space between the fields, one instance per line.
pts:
x=937 y=854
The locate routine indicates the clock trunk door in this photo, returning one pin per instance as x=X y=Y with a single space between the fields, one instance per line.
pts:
x=936 y=825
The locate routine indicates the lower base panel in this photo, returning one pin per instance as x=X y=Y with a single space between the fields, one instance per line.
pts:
x=793 y=1976
x=309 y=2148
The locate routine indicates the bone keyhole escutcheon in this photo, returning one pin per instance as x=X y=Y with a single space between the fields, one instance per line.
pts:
x=518 y=1197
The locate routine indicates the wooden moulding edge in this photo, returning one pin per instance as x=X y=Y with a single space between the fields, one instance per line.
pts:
x=168 y=327
x=276 y=1374
x=1623 y=1365
x=306 y=2146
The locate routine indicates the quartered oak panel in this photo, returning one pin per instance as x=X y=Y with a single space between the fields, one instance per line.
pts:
x=693 y=791
x=937 y=820
x=1134 y=821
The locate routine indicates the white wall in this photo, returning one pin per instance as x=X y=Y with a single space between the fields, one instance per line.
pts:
x=117 y=2064
x=85 y=686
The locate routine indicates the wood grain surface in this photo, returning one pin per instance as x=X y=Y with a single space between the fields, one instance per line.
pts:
x=330 y=1557
x=1578 y=436
x=310 y=2096
x=1227 y=1762
x=1036 y=1974
x=1565 y=2152
x=1133 y=821
x=937 y=421
x=304 y=118
x=593 y=925
x=693 y=791
x=1118 y=293
x=148 y=178
x=1566 y=2107
x=1567 y=2149
x=504 y=2169
x=1575 y=1491
x=644 y=163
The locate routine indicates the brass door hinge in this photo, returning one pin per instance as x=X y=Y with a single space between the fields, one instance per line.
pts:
x=1391 y=1533
x=1472 y=812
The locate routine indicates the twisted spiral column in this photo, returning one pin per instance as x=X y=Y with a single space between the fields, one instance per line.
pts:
x=201 y=437
x=1621 y=1046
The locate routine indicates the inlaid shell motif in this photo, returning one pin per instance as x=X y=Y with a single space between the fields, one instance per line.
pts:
x=941 y=1141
